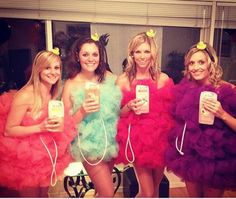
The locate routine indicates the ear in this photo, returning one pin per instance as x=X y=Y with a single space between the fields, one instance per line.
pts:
x=77 y=56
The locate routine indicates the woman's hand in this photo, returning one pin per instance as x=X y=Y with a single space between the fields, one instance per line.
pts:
x=55 y=124
x=90 y=105
x=214 y=106
x=135 y=105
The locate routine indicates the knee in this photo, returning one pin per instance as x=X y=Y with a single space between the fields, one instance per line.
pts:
x=108 y=193
x=147 y=194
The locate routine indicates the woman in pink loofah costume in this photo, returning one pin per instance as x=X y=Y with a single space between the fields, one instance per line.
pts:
x=142 y=134
x=34 y=147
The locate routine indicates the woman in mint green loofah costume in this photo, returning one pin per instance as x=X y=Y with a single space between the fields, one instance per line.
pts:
x=95 y=112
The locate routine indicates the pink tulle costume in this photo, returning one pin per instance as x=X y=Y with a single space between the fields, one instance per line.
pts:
x=147 y=140
x=206 y=154
x=35 y=160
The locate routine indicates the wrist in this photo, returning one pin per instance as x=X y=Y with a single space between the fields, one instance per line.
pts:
x=128 y=107
x=82 y=112
x=224 y=116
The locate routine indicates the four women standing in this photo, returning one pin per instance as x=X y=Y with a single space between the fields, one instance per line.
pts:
x=201 y=154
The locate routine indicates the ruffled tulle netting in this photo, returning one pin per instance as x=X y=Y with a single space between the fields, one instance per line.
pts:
x=209 y=150
x=91 y=131
x=24 y=161
x=149 y=131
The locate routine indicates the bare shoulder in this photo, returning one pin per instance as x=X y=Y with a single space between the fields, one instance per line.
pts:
x=24 y=96
x=109 y=74
x=163 y=77
x=122 y=80
x=68 y=83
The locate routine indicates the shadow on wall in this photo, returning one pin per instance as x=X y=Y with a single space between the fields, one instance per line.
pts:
x=175 y=66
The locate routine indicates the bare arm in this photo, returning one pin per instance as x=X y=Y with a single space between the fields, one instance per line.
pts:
x=20 y=106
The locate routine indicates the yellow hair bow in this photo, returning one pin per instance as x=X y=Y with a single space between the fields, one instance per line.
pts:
x=56 y=51
x=201 y=45
x=151 y=33
x=95 y=37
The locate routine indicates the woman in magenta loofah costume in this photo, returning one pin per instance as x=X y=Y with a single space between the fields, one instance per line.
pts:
x=204 y=155
x=34 y=149
x=142 y=135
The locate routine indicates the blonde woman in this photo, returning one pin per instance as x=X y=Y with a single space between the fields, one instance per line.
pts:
x=202 y=151
x=33 y=147
x=144 y=123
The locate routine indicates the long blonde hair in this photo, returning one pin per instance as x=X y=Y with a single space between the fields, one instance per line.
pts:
x=214 y=68
x=41 y=61
x=136 y=41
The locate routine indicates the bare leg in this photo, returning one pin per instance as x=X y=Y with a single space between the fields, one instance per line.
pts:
x=111 y=165
x=194 y=190
x=101 y=177
x=145 y=179
x=158 y=174
x=213 y=193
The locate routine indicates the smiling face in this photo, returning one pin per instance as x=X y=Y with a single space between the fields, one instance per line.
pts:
x=89 y=57
x=142 y=55
x=51 y=74
x=198 y=67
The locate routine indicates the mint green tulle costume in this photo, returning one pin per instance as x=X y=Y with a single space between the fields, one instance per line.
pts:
x=90 y=131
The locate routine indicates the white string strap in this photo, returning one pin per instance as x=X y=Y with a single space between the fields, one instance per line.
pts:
x=180 y=150
x=128 y=144
x=105 y=148
x=54 y=162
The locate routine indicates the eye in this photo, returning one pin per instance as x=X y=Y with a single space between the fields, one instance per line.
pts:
x=85 y=54
x=201 y=62
x=137 y=52
x=191 y=63
x=57 y=67
x=95 y=54
x=147 y=51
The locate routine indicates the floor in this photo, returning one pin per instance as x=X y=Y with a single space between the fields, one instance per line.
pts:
x=176 y=189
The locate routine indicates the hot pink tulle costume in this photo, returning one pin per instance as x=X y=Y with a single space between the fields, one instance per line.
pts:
x=209 y=150
x=148 y=135
x=24 y=161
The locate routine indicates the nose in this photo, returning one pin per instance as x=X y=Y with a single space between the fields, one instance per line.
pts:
x=194 y=66
x=142 y=55
x=90 y=58
x=54 y=71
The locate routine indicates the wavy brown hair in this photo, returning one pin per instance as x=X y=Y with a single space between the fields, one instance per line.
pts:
x=214 y=68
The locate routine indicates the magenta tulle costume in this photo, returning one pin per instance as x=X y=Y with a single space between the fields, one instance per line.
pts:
x=148 y=133
x=209 y=151
x=25 y=161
